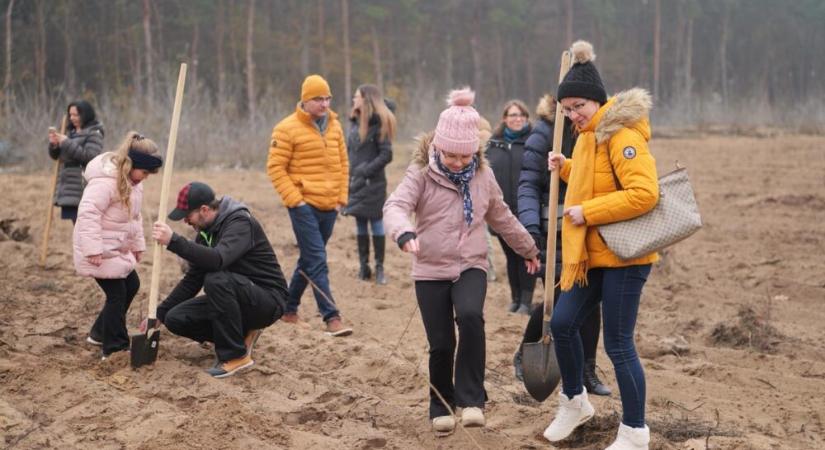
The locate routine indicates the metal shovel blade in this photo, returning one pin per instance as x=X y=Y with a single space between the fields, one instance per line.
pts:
x=541 y=370
x=144 y=349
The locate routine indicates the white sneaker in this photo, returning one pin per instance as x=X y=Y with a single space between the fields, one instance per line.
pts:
x=443 y=424
x=631 y=438
x=93 y=341
x=571 y=413
x=472 y=416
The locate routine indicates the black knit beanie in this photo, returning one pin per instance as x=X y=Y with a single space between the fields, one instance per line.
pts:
x=583 y=79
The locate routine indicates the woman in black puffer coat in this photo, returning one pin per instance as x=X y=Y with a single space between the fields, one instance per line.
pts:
x=369 y=147
x=533 y=198
x=83 y=141
x=505 y=151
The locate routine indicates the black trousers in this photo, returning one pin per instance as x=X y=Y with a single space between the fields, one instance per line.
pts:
x=110 y=325
x=231 y=307
x=443 y=304
x=589 y=331
x=522 y=283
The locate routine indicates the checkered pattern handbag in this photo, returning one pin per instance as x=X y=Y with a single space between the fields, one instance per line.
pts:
x=675 y=217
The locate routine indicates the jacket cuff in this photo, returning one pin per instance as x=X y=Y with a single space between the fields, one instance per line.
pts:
x=404 y=238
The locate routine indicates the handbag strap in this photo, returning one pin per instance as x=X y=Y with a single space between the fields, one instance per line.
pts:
x=613 y=170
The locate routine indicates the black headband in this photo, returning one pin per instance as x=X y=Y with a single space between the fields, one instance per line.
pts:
x=145 y=161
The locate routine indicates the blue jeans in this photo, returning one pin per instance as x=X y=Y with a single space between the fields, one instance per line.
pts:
x=377 y=226
x=312 y=228
x=619 y=291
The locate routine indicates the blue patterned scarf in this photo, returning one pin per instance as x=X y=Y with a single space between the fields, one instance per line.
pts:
x=462 y=180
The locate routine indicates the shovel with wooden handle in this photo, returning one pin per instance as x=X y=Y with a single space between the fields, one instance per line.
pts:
x=44 y=245
x=541 y=370
x=144 y=346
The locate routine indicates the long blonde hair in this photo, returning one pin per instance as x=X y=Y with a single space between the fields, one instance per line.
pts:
x=134 y=141
x=373 y=103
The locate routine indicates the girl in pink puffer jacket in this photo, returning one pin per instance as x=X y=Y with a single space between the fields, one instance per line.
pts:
x=108 y=236
x=453 y=193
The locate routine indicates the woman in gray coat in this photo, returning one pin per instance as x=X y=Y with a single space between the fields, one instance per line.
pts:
x=83 y=141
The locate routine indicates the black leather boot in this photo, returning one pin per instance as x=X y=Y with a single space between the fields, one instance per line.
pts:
x=364 y=273
x=591 y=381
x=379 y=242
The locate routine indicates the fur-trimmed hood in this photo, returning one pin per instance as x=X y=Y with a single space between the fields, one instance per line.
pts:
x=627 y=109
x=546 y=109
x=421 y=153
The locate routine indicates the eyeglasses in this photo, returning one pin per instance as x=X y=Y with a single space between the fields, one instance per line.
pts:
x=575 y=109
x=515 y=115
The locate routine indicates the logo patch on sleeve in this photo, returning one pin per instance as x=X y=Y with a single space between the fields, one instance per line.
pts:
x=629 y=152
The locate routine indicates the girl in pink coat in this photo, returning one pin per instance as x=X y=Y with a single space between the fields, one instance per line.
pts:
x=452 y=192
x=108 y=235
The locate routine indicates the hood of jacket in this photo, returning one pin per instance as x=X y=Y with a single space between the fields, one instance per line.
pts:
x=102 y=166
x=92 y=127
x=421 y=153
x=627 y=109
x=546 y=109
x=226 y=209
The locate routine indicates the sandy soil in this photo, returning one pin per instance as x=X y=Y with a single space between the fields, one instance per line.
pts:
x=730 y=332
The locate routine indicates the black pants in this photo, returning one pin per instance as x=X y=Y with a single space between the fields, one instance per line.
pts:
x=442 y=304
x=521 y=282
x=110 y=325
x=589 y=331
x=231 y=307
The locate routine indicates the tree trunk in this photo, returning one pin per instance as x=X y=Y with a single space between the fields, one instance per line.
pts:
x=40 y=50
x=322 y=55
x=347 y=56
x=193 y=55
x=305 y=35
x=250 y=63
x=657 y=46
x=448 y=60
x=476 y=52
x=723 y=54
x=68 y=57
x=688 y=67
x=220 y=56
x=376 y=58
x=7 y=91
x=568 y=23
x=147 y=44
x=499 y=52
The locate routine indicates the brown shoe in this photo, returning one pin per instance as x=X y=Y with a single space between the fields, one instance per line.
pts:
x=290 y=318
x=250 y=339
x=228 y=368
x=336 y=328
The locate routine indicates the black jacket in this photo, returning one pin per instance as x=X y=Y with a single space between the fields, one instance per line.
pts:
x=506 y=161
x=235 y=242
x=74 y=153
x=367 y=161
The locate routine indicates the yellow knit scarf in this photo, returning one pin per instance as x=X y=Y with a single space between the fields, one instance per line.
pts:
x=574 y=256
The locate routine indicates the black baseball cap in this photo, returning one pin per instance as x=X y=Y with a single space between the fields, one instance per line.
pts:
x=191 y=197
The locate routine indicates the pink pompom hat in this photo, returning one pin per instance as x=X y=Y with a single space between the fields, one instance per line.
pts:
x=457 y=129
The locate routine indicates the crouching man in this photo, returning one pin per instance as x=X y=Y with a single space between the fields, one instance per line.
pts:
x=244 y=290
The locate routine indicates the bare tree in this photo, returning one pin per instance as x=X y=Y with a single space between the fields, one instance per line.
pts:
x=322 y=54
x=568 y=22
x=220 y=59
x=40 y=50
x=147 y=44
x=305 y=35
x=347 y=56
x=7 y=91
x=250 y=62
x=657 y=46
x=376 y=58
x=68 y=56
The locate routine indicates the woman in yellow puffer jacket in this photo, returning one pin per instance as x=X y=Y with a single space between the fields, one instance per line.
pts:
x=611 y=177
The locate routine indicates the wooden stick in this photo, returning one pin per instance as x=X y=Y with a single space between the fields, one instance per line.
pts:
x=168 y=165
x=553 y=207
x=44 y=245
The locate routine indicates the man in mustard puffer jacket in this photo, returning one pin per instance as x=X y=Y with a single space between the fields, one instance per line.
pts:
x=308 y=167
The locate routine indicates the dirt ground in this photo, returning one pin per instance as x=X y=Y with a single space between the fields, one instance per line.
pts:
x=730 y=332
